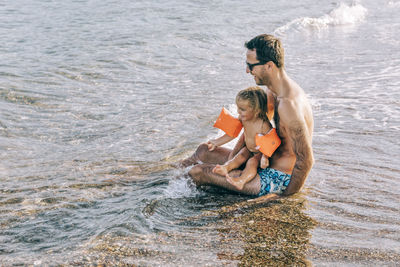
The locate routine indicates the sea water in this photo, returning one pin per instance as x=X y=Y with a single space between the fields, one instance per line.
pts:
x=98 y=99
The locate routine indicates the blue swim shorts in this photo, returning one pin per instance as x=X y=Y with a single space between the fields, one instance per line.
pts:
x=272 y=181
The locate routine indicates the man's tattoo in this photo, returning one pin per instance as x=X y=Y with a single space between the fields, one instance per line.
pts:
x=277 y=119
x=300 y=148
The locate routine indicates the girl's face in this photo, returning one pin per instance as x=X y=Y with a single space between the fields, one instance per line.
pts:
x=245 y=111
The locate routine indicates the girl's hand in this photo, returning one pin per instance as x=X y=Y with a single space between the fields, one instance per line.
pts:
x=264 y=162
x=211 y=145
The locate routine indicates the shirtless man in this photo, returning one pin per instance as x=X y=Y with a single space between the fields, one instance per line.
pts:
x=292 y=161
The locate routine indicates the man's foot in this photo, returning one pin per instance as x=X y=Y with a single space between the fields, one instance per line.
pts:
x=186 y=162
x=221 y=170
x=236 y=182
x=265 y=198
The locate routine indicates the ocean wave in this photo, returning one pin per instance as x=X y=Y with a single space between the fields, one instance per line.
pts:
x=342 y=15
x=393 y=3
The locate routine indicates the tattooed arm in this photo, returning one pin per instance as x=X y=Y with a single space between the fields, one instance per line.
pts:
x=299 y=137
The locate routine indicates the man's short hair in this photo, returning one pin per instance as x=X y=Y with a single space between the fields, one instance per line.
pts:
x=268 y=48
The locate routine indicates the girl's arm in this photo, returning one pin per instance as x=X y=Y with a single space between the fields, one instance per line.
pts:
x=213 y=143
x=239 y=145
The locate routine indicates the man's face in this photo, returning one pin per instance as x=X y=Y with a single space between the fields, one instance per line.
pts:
x=258 y=71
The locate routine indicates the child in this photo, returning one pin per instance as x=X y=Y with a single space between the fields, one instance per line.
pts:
x=252 y=108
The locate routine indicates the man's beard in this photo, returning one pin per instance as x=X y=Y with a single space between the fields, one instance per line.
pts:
x=260 y=81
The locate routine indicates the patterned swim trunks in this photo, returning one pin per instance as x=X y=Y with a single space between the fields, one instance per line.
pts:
x=272 y=181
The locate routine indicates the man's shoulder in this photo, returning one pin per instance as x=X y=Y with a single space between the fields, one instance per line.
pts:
x=291 y=109
x=287 y=106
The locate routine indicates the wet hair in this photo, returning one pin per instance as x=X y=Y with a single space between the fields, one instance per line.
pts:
x=268 y=48
x=257 y=98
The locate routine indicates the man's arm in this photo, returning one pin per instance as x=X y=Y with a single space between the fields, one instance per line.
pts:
x=300 y=139
x=304 y=158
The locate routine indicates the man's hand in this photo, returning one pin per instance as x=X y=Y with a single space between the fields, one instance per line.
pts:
x=266 y=198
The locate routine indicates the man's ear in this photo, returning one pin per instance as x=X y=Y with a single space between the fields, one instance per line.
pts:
x=269 y=65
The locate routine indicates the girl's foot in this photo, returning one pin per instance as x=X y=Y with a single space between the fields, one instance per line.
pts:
x=221 y=170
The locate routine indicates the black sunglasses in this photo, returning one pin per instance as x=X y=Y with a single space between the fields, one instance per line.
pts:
x=251 y=66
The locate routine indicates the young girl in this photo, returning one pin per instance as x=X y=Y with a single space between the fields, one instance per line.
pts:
x=252 y=108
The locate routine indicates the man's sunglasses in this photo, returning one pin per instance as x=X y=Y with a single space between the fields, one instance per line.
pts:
x=251 y=66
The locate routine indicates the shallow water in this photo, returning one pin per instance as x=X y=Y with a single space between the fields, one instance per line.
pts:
x=99 y=98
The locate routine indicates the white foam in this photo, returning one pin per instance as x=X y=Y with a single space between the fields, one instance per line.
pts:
x=342 y=15
x=181 y=186
x=393 y=3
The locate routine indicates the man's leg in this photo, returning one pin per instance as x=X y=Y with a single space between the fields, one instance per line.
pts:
x=202 y=175
x=218 y=156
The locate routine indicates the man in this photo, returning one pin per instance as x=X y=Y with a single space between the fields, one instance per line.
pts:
x=292 y=161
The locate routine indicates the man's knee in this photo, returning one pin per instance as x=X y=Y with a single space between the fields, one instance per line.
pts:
x=196 y=173
x=201 y=151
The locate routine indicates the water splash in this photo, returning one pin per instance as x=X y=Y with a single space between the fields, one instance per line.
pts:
x=342 y=15
x=181 y=186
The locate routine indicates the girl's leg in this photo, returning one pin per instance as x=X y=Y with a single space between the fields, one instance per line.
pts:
x=234 y=163
x=248 y=173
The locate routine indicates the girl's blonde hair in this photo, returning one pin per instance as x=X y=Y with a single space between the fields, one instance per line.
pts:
x=258 y=100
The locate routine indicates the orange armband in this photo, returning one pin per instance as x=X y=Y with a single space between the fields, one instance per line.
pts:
x=268 y=143
x=229 y=124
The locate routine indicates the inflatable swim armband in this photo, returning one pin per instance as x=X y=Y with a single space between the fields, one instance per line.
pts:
x=229 y=124
x=268 y=143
